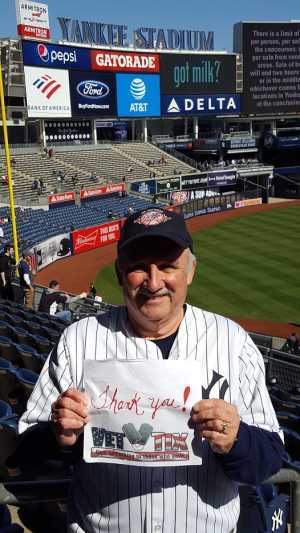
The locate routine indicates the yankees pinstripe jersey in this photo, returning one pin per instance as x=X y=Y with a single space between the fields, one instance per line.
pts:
x=109 y=498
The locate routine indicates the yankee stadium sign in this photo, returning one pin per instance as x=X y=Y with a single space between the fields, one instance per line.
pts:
x=98 y=33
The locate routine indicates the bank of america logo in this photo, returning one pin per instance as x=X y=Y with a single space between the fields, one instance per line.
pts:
x=47 y=85
x=173 y=107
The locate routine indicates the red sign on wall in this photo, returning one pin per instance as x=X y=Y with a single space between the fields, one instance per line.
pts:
x=90 y=238
x=124 y=61
x=99 y=191
x=33 y=31
x=61 y=197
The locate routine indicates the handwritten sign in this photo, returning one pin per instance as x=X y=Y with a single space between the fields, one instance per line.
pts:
x=139 y=412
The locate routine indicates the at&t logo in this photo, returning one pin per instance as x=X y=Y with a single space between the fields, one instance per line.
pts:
x=138 y=92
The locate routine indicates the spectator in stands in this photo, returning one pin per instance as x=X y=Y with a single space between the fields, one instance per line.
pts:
x=13 y=162
x=110 y=213
x=74 y=180
x=163 y=160
x=26 y=279
x=7 y=263
x=1 y=232
x=42 y=185
x=50 y=153
x=35 y=185
x=293 y=342
x=236 y=437
x=130 y=169
x=45 y=151
x=93 y=176
x=130 y=210
x=53 y=298
x=92 y=291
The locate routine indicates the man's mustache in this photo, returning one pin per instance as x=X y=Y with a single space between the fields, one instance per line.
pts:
x=156 y=294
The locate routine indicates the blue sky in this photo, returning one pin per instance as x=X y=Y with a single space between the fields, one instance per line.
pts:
x=212 y=15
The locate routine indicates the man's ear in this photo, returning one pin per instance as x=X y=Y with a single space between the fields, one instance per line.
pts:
x=118 y=272
x=191 y=272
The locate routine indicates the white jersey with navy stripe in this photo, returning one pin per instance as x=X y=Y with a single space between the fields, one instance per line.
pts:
x=109 y=498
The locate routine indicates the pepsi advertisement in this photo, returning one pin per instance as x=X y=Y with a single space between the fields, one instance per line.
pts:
x=52 y=55
x=138 y=95
x=92 y=93
x=216 y=104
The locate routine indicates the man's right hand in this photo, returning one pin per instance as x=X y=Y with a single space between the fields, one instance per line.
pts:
x=69 y=414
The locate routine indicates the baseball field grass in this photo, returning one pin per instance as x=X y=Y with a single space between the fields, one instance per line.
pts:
x=248 y=267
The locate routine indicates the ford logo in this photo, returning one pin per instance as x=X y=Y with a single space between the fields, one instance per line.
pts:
x=92 y=89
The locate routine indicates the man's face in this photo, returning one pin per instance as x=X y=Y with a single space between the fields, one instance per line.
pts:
x=155 y=276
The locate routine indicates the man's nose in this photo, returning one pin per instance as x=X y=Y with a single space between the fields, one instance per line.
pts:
x=154 y=279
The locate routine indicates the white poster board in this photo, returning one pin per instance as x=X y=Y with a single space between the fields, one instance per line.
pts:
x=140 y=410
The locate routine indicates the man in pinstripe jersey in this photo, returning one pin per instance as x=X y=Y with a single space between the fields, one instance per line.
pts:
x=234 y=415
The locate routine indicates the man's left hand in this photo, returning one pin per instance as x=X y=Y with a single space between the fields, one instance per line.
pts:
x=218 y=422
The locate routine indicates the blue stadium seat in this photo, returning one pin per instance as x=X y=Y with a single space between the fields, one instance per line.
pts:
x=42 y=344
x=7 y=349
x=19 y=335
x=5 y=410
x=292 y=443
x=30 y=357
x=27 y=379
x=285 y=406
x=289 y=421
x=263 y=510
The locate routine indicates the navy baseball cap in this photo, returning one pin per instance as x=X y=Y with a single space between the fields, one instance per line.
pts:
x=155 y=222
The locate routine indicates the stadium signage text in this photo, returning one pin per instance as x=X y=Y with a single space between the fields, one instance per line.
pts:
x=32 y=19
x=97 y=33
x=200 y=105
x=100 y=191
x=64 y=197
x=127 y=62
x=94 y=237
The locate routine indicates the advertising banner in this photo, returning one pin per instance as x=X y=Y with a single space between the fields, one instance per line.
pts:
x=92 y=93
x=238 y=143
x=85 y=194
x=219 y=178
x=32 y=19
x=118 y=61
x=247 y=203
x=54 y=55
x=140 y=411
x=47 y=92
x=198 y=73
x=144 y=187
x=61 y=198
x=138 y=96
x=71 y=130
x=193 y=181
x=179 y=197
x=167 y=185
x=217 y=104
x=86 y=239
x=271 y=67
x=51 y=250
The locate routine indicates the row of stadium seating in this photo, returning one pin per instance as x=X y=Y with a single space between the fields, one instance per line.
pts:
x=109 y=162
x=37 y=225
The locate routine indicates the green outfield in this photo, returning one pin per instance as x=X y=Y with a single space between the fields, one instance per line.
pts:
x=247 y=267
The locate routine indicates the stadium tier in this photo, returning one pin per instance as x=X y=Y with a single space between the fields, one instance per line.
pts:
x=108 y=162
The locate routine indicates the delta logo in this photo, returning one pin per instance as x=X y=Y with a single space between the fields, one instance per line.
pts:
x=47 y=85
